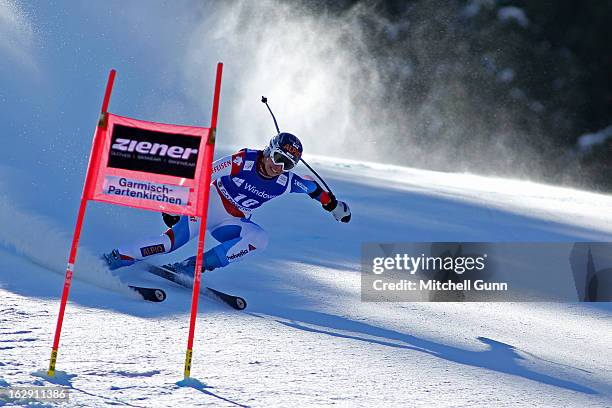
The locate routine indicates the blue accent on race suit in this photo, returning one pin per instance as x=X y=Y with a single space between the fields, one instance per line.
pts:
x=220 y=251
x=227 y=232
x=181 y=232
x=228 y=235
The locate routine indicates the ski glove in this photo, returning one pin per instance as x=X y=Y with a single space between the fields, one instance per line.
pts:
x=170 y=220
x=339 y=209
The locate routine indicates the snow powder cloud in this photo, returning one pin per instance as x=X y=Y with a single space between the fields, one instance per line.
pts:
x=17 y=34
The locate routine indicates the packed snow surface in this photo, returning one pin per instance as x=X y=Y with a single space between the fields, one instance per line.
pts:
x=306 y=337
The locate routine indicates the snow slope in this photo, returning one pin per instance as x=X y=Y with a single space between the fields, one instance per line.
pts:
x=306 y=338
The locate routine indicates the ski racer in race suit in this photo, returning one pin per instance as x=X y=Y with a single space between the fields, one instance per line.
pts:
x=241 y=183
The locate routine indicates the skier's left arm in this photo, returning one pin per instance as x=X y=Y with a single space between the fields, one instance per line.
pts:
x=339 y=209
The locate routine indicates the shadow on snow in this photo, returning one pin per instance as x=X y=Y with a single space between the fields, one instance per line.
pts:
x=499 y=357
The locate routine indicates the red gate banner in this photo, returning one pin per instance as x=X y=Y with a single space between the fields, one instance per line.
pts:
x=149 y=165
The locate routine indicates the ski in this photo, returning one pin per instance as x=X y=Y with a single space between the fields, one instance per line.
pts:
x=235 y=302
x=168 y=274
x=150 y=294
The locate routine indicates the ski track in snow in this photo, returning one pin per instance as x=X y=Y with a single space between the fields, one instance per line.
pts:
x=306 y=338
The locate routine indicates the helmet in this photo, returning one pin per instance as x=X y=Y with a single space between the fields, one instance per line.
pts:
x=284 y=149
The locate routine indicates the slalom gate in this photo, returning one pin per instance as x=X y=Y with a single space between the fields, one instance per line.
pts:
x=152 y=166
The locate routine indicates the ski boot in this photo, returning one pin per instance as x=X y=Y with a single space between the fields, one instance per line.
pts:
x=187 y=267
x=114 y=260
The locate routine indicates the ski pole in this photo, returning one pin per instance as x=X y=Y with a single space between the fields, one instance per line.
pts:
x=264 y=100
x=317 y=174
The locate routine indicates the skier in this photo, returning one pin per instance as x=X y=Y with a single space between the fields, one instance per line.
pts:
x=241 y=183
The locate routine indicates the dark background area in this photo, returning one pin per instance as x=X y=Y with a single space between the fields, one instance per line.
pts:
x=508 y=86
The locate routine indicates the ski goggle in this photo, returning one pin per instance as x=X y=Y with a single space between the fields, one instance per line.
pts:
x=281 y=159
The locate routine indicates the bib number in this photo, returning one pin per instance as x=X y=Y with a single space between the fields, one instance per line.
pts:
x=246 y=203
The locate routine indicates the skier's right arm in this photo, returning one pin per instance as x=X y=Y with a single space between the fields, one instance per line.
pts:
x=221 y=167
